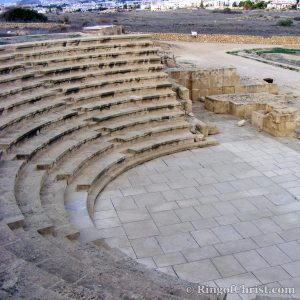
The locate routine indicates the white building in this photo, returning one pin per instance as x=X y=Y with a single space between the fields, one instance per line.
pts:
x=169 y=4
x=220 y=3
x=281 y=4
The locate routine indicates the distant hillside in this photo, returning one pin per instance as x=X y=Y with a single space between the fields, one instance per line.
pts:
x=28 y=2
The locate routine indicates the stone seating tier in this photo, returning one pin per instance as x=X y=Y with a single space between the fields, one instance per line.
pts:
x=75 y=114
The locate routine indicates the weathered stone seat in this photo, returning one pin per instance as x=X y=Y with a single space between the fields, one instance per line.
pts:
x=84 y=76
x=136 y=110
x=167 y=141
x=12 y=136
x=133 y=136
x=82 y=58
x=72 y=166
x=58 y=151
x=76 y=113
x=74 y=50
x=9 y=119
x=95 y=172
x=75 y=42
x=10 y=103
x=10 y=212
x=122 y=91
x=28 y=189
x=124 y=101
x=155 y=118
x=112 y=83
x=103 y=65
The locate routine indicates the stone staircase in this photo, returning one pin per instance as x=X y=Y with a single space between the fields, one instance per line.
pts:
x=74 y=115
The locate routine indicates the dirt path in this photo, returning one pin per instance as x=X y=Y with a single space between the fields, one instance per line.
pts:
x=214 y=55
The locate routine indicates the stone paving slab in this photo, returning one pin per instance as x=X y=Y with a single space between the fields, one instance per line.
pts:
x=228 y=214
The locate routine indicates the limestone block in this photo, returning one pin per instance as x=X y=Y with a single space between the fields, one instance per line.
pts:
x=228 y=89
x=231 y=80
x=199 y=74
x=257 y=119
x=195 y=95
x=175 y=74
x=183 y=92
x=216 y=79
x=228 y=72
x=212 y=128
x=218 y=107
x=215 y=91
x=203 y=92
x=272 y=88
x=187 y=106
x=198 y=126
x=240 y=89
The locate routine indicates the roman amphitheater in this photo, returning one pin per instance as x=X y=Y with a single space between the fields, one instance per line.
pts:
x=126 y=174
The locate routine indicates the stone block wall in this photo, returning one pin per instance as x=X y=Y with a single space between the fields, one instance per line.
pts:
x=206 y=82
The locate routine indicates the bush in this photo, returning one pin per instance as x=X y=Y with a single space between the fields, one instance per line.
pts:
x=260 y=5
x=19 y=14
x=297 y=18
x=285 y=22
x=226 y=10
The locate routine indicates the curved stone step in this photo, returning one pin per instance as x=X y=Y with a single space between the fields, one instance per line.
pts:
x=75 y=42
x=104 y=65
x=65 y=59
x=10 y=212
x=156 y=117
x=54 y=154
x=14 y=117
x=72 y=50
x=28 y=189
x=23 y=131
x=52 y=198
x=135 y=110
x=153 y=144
x=114 y=73
x=10 y=103
x=122 y=91
x=6 y=80
x=71 y=167
x=134 y=136
x=38 y=143
x=122 y=102
x=22 y=89
x=112 y=83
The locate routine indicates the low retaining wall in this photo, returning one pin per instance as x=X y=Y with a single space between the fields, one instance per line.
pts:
x=228 y=39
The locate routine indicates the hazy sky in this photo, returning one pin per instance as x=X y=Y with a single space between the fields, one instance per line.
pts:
x=7 y=1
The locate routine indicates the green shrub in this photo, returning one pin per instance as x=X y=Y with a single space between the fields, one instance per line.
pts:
x=285 y=22
x=260 y=5
x=20 y=14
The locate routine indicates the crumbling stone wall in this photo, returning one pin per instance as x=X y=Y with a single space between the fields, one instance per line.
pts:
x=206 y=82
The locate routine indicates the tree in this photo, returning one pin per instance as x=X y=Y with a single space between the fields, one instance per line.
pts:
x=248 y=4
x=19 y=14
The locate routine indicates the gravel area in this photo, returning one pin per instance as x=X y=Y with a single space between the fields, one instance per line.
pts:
x=256 y=22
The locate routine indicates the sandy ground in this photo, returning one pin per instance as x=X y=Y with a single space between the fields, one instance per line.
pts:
x=214 y=55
